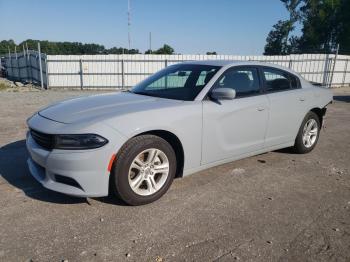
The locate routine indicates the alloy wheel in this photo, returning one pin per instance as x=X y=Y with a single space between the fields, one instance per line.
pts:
x=310 y=133
x=148 y=172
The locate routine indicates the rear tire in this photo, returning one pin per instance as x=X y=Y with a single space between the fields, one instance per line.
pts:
x=144 y=170
x=308 y=134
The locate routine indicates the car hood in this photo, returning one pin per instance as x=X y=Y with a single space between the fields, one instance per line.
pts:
x=100 y=107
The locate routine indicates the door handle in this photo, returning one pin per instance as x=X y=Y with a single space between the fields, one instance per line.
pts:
x=261 y=108
x=301 y=99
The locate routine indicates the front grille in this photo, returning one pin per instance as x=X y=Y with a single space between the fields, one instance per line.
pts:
x=44 y=140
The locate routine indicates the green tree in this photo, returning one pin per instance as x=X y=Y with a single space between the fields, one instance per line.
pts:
x=133 y=51
x=63 y=48
x=324 y=25
x=294 y=8
x=211 y=53
x=321 y=25
x=5 y=45
x=343 y=36
x=165 y=50
x=277 y=42
x=121 y=50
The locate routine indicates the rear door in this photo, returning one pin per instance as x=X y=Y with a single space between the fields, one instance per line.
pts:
x=288 y=104
x=235 y=127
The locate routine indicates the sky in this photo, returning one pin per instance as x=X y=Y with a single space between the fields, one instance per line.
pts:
x=237 y=27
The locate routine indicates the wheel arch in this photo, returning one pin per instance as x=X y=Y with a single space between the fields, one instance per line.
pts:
x=320 y=112
x=175 y=143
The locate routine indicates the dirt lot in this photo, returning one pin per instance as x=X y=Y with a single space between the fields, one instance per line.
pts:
x=273 y=207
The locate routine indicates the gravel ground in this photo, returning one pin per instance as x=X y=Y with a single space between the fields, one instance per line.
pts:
x=273 y=207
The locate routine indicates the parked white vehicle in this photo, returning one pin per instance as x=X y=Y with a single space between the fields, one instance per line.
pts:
x=183 y=119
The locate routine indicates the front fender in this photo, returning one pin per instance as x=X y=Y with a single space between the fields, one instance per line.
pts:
x=185 y=122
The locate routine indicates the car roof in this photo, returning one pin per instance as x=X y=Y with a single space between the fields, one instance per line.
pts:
x=223 y=63
x=213 y=62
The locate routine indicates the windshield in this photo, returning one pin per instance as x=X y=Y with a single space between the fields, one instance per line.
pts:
x=180 y=82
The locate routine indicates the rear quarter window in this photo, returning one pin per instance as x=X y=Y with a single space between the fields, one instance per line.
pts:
x=279 y=80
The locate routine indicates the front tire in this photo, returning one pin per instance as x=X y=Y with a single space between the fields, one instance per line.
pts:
x=144 y=170
x=308 y=134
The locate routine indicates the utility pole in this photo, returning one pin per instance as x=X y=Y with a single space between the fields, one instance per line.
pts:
x=129 y=24
x=150 y=42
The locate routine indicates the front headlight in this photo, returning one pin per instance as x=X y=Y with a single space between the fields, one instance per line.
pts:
x=81 y=141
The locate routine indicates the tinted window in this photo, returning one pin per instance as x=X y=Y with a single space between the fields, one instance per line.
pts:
x=244 y=80
x=278 y=80
x=180 y=82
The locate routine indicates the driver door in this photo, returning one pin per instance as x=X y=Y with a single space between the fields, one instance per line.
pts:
x=235 y=127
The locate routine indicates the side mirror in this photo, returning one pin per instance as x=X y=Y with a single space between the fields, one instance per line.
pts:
x=223 y=93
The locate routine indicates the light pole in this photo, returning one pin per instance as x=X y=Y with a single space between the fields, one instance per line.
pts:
x=129 y=23
x=150 y=42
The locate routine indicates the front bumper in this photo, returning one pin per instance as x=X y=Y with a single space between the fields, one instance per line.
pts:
x=82 y=173
x=86 y=173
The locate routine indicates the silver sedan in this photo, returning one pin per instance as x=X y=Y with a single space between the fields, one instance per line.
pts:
x=183 y=119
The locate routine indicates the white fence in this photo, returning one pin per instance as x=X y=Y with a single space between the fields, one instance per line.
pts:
x=123 y=71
